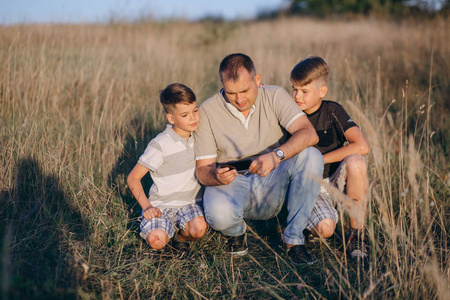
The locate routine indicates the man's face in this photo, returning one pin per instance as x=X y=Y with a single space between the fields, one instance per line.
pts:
x=242 y=93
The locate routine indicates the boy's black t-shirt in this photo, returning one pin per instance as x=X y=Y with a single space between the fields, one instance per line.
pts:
x=330 y=121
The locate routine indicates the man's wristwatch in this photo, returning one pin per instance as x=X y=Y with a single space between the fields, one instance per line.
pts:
x=280 y=154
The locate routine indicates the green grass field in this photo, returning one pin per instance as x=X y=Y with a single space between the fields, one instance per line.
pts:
x=79 y=103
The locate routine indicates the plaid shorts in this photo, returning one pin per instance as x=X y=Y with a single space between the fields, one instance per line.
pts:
x=171 y=219
x=325 y=206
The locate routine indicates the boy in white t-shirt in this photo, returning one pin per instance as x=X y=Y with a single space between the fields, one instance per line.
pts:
x=169 y=157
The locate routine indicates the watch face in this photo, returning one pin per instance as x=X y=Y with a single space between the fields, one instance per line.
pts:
x=280 y=154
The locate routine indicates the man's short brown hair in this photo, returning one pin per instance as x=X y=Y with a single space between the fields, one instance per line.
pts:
x=232 y=64
x=175 y=93
x=310 y=69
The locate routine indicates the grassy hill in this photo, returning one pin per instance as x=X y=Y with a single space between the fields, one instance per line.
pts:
x=79 y=103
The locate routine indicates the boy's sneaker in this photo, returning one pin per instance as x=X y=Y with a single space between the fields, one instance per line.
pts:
x=310 y=237
x=182 y=248
x=356 y=248
x=299 y=255
x=237 y=245
x=157 y=251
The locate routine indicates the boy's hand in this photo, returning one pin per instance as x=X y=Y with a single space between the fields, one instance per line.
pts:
x=152 y=212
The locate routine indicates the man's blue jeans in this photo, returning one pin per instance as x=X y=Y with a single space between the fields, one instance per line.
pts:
x=260 y=198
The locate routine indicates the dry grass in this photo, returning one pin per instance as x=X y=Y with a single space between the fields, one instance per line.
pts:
x=78 y=105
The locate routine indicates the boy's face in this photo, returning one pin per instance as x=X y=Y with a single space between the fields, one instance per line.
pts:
x=309 y=97
x=184 y=118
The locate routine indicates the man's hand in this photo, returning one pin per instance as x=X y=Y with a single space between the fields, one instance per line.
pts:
x=264 y=164
x=209 y=174
x=224 y=175
x=152 y=212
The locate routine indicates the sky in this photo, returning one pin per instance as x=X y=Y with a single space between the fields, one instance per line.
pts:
x=95 y=11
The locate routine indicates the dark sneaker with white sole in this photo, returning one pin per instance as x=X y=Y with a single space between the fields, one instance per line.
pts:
x=237 y=245
x=356 y=247
x=310 y=237
x=182 y=248
x=299 y=255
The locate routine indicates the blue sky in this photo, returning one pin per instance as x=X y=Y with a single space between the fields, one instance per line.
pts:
x=72 y=11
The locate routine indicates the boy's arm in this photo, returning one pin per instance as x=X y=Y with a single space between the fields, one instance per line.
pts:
x=135 y=185
x=357 y=144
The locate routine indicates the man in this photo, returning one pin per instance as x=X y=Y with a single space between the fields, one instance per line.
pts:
x=246 y=120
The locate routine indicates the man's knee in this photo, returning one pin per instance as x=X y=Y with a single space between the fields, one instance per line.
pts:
x=325 y=228
x=314 y=160
x=221 y=215
x=310 y=159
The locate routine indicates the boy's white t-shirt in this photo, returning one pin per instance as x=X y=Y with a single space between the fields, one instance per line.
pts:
x=171 y=161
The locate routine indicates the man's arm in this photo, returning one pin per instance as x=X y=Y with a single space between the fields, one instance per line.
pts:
x=357 y=144
x=208 y=174
x=303 y=136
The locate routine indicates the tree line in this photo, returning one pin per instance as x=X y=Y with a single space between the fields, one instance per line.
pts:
x=325 y=8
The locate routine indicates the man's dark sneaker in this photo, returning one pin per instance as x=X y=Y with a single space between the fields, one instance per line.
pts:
x=237 y=245
x=356 y=248
x=299 y=255
x=182 y=248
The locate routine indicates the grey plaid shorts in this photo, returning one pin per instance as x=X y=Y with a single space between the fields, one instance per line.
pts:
x=171 y=219
x=325 y=207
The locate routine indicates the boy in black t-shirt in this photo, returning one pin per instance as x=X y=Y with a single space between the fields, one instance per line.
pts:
x=342 y=144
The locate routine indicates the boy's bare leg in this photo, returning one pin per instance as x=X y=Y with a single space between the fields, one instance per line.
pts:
x=157 y=239
x=195 y=229
x=324 y=228
x=356 y=187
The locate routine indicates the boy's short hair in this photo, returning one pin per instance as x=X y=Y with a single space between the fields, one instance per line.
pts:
x=232 y=64
x=175 y=93
x=310 y=69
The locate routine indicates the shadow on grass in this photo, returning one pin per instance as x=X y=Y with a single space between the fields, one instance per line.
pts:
x=39 y=225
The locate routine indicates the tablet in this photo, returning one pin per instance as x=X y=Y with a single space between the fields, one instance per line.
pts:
x=241 y=165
